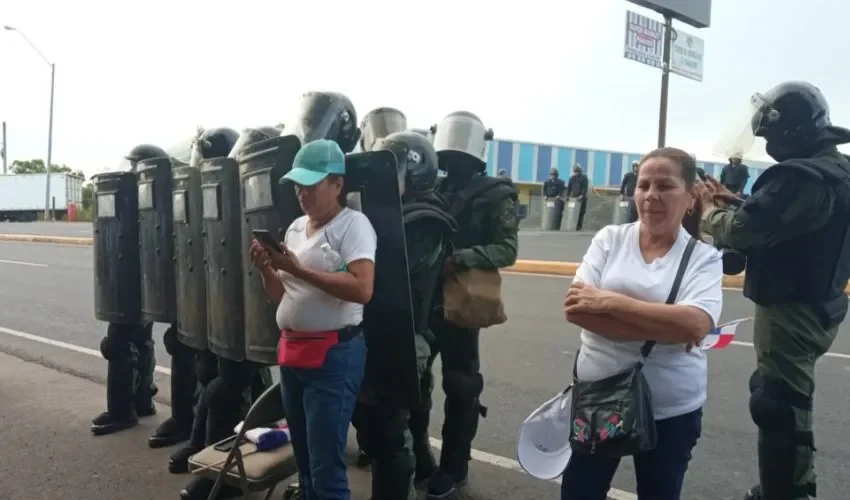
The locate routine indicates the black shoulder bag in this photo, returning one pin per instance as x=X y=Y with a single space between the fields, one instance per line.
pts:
x=613 y=417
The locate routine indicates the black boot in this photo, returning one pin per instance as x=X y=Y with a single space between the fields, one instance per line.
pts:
x=183 y=384
x=120 y=377
x=426 y=464
x=168 y=434
x=104 y=424
x=178 y=463
x=293 y=492
x=392 y=477
x=199 y=488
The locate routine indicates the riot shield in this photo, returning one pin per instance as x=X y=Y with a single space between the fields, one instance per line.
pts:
x=156 y=241
x=223 y=254
x=117 y=275
x=266 y=204
x=190 y=275
x=388 y=319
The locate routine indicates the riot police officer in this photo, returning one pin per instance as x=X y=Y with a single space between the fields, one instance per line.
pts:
x=379 y=123
x=799 y=213
x=159 y=287
x=376 y=125
x=225 y=366
x=382 y=425
x=128 y=346
x=485 y=209
x=191 y=275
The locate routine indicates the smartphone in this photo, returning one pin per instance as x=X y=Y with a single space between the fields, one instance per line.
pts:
x=266 y=239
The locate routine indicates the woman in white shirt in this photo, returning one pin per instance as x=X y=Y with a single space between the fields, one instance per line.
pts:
x=321 y=277
x=618 y=299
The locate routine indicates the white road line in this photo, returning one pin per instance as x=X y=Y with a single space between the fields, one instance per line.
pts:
x=481 y=456
x=20 y=263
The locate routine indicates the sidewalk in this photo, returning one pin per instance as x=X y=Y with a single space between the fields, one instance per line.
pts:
x=49 y=453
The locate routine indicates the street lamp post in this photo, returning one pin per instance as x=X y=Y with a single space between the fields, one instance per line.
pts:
x=50 y=123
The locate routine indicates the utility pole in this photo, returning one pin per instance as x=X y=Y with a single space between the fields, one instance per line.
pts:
x=4 y=149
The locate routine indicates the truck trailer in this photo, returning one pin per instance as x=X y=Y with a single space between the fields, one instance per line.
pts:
x=22 y=196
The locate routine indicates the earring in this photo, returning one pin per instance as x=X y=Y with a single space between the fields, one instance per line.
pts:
x=690 y=211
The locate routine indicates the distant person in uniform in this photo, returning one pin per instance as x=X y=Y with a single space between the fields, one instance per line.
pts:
x=627 y=191
x=735 y=175
x=553 y=190
x=577 y=190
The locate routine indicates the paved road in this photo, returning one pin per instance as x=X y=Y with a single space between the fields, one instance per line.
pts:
x=42 y=432
x=526 y=361
x=534 y=245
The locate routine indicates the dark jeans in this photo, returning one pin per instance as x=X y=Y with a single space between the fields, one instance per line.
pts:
x=660 y=473
x=319 y=404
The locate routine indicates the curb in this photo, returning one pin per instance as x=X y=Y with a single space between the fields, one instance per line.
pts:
x=38 y=238
x=522 y=266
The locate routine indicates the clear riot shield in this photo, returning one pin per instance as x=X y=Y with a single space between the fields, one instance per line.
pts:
x=156 y=241
x=223 y=251
x=266 y=204
x=371 y=181
x=117 y=275
x=190 y=275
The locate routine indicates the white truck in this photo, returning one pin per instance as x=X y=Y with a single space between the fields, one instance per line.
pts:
x=22 y=196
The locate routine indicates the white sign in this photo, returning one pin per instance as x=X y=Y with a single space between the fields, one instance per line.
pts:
x=644 y=40
x=686 y=59
x=645 y=44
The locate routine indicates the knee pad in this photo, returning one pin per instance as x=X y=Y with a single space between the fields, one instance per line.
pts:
x=222 y=392
x=772 y=404
x=206 y=368
x=380 y=430
x=105 y=346
x=169 y=340
x=462 y=386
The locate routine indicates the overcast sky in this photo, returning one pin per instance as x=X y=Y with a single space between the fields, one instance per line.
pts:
x=537 y=70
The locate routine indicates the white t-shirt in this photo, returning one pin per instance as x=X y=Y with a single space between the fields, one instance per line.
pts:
x=304 y=307
x=613 y=261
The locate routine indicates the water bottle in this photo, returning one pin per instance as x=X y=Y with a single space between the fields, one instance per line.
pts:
x=333 y=260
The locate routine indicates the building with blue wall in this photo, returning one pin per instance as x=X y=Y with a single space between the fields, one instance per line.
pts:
x=529 y=163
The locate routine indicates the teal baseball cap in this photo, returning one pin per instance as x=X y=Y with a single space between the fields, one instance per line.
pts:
x=315 y=161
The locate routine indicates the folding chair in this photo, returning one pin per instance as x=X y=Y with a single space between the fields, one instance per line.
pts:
x=243 y=466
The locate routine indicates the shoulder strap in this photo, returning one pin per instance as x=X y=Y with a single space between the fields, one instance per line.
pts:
x=674 y=291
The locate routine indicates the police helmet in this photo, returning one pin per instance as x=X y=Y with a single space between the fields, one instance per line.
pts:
x=792 y=117
x=380 y=123
x=140 y=153
x=326 y=115
x=416 y=160
x=253 y=135
x=213 y=143
x=145 y=152
x=461 y=135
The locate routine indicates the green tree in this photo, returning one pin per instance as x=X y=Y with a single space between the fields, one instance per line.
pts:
x=88 y=195
x=37 y=167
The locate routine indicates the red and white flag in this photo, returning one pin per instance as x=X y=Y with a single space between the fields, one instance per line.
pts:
x=722 y=335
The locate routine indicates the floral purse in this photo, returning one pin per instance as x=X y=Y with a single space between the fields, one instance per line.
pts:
x=613 y=417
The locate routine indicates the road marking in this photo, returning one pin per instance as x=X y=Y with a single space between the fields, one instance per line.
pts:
x=481 y=456
x=20 y=263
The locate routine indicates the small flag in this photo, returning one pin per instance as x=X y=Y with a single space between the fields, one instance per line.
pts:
x=722 y=335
